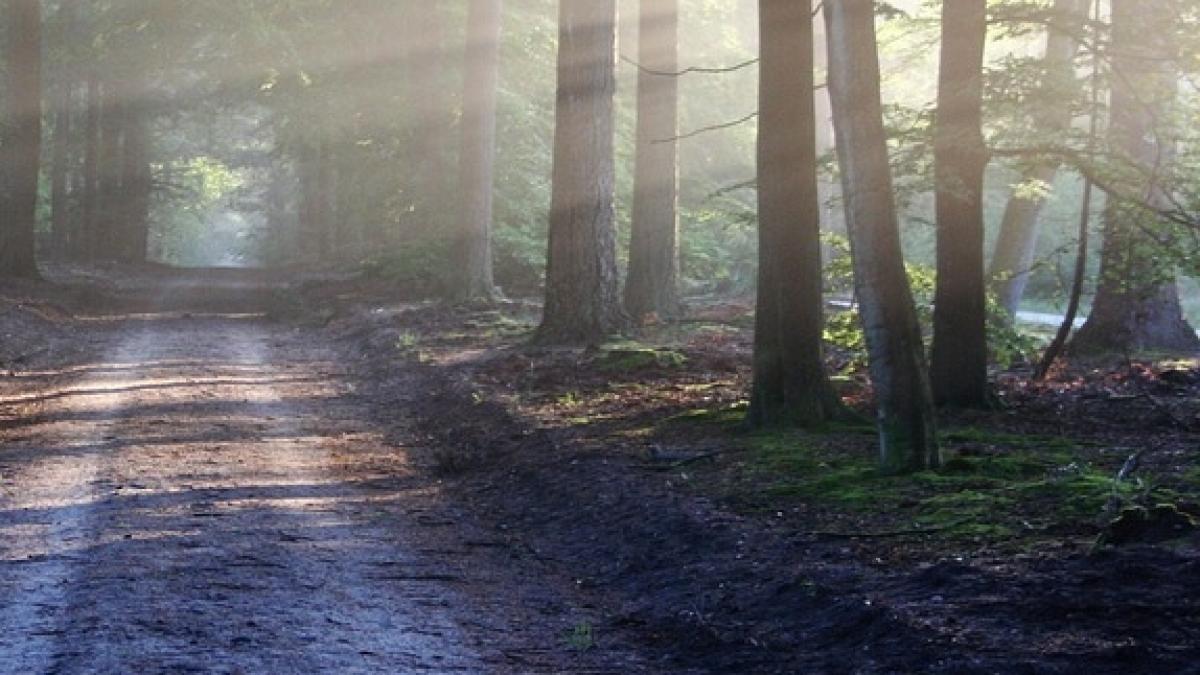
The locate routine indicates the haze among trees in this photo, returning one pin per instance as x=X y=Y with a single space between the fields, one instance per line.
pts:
x=923 y=210
x=278 y=133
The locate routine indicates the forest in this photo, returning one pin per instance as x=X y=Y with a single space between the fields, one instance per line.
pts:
x=600 y=336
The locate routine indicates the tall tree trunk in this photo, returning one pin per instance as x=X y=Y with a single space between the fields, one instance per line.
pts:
x=474 y=280
x=63 y=225
x=328 y=227
x=110 y=205
x=136 y=187
x=960 y=349
x=427 y=70
x=652 y=283
x=907 y=432
x=1012 y=260
x=1137 y=307
x=790 y=382
x=314 y=212
x=87 y=236
x=583 y=300
x=22 y=147
x=60 y=171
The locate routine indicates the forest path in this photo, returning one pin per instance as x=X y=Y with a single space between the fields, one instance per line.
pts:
x=209 y=498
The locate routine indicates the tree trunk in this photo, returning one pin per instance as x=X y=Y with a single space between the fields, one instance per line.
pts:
x=87 y=236
x=136 y=187
x=314 y=200
x=427 y=69
x=907 y=434
x=1012 y=260
x=473 y=280
x=583 y=301
x=328 y=228
x=790 y=382
x=110 y=205
x=960 y=349
x=1137 y=307
x=652 y=284
x=60 y=172
x=22 y=147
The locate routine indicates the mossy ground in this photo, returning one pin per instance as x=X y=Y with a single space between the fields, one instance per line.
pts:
x=992 y=488
x=1028 y=473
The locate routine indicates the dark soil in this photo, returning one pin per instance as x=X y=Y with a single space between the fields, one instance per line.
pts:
x=630 y=477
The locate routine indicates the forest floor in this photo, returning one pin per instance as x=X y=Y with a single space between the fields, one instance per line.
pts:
x=225 y=471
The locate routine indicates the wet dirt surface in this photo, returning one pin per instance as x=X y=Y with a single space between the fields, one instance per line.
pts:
x=208 y=496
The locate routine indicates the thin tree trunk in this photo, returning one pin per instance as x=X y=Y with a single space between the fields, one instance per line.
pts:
x=474 y=279
x=60 y=172
x=21 y=151
x=1059 y=343
x=1073 y=301
x=87 y=239
x=427 y=69
x=1016 y=244
x=1137 y=306
x=62 y=225
x=652 y=283
x=314 y=208
x=790 y=382
x=136 y=187
x=110 y=205
x=960 y=349
x=907 y=431
x=583 y=300
x=327 y=225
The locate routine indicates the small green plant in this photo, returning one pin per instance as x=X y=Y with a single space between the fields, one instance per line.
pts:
x=582 y=637
x=407 y=342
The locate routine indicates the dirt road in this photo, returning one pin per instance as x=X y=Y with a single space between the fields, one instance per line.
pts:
x=209 y=497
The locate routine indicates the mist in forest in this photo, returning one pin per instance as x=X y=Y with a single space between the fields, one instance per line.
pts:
x=639 y=336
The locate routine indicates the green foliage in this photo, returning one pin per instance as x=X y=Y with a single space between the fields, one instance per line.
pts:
x=843 y=328
x=421 y=269
x=193 y=225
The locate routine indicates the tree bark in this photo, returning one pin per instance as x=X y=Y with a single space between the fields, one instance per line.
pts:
x=60 y=172
x=1016 y=244
x=790 y=382
x=22 y=147
x=136 y=186
x=1137 y=306
x=960 y=349
x=583 y=301
x=907 y=432
x=109 y=216
x=87 y=239
x=652 y=283
x=474 y=280
x=314 y=211
x=426 y=77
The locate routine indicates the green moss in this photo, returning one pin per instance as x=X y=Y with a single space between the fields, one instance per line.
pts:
x=728 y=416
x=985 y=437
x=988 y=496
x=637 y=358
